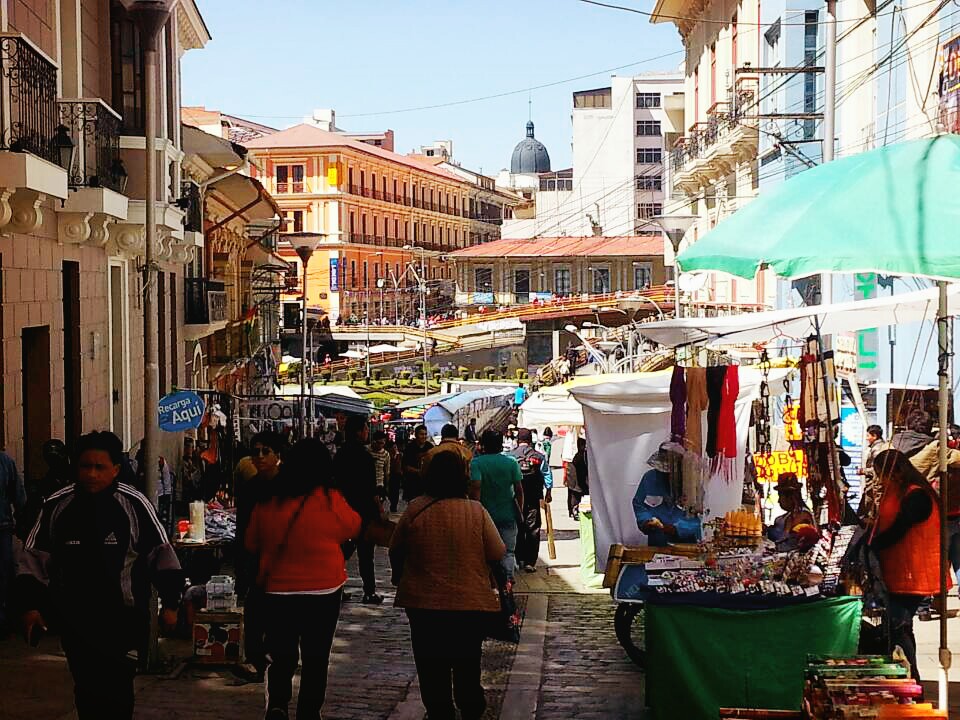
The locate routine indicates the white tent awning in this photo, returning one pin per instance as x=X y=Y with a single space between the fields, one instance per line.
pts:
x=752 y=328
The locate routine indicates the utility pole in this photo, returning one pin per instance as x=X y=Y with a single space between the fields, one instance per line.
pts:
x=829 y=115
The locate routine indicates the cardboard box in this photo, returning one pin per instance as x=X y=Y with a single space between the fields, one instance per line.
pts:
x=218 y=637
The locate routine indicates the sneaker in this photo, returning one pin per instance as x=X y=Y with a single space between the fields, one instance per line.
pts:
x=372 y=599
x=276 y=714
x=530 y=568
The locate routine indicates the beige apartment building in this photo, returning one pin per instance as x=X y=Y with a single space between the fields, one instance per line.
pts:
x=72 y=209
x=713 y=167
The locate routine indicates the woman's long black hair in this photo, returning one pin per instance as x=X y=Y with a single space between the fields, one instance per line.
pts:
x=306 y=466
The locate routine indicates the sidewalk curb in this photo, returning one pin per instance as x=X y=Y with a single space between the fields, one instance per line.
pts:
x=410 y=708
x=523 y=686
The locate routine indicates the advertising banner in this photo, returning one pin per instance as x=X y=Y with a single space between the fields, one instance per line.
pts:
x=180 y=411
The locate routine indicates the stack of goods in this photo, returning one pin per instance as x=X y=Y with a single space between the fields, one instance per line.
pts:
x=740 y=524
x=221 y=593
x=861 y=687
x=220 y=523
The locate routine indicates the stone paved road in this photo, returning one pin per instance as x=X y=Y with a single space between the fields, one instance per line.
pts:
x=586 y=675
x=581 y=672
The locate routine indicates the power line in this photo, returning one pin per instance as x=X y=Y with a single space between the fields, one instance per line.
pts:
x=664 y=16
x=484 y=98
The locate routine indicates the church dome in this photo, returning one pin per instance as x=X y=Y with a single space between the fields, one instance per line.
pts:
x=529 y=156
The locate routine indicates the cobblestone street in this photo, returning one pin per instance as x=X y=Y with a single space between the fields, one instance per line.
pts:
x=571 y=663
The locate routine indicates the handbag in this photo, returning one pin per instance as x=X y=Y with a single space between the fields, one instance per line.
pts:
x=505 y=624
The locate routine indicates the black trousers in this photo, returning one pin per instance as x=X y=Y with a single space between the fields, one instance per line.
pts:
x=528 y=536
x=901 y=610
x=254 y=628
x=300 y=628
x=573 y=500
x=365 y=560
x=393 y=492
x=102 y=673
x=447 y=646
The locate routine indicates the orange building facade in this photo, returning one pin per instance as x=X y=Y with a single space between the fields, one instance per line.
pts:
x=368 y=204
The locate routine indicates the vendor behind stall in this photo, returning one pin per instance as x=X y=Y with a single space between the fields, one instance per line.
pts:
x=654 y=505
x=796 y=512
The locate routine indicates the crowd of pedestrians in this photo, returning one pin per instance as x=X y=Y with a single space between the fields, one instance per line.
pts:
x=95 y=544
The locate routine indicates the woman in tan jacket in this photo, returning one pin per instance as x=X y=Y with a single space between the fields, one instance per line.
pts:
x=441 y=553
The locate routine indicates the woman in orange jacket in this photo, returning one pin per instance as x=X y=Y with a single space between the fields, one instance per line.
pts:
x=906 y=538
x=297 y=534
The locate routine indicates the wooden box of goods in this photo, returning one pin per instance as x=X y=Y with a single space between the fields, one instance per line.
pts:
x=218 y=637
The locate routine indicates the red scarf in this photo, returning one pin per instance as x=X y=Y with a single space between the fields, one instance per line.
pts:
x=727 y=426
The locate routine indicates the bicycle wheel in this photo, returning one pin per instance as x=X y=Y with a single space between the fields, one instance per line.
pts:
x=628 y=622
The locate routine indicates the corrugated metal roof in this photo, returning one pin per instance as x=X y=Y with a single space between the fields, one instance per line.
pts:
x=629 y=246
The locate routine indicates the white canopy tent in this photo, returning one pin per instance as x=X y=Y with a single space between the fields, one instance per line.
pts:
x=627 y=418
x=761 y=327
x=550 y=407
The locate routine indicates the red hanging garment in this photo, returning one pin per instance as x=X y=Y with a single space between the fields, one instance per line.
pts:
x=727 y=430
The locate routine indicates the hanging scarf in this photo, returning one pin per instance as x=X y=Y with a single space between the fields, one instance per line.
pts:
x=716 y=377
x=678 y=396
x=696 y=404
x=727 y=426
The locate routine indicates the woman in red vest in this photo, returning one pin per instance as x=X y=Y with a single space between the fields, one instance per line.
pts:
x=906 y=537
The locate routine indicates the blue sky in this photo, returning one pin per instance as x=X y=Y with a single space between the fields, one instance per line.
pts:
x=274 y=62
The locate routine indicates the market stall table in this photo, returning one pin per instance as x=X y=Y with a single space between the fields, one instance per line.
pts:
x=703 y=658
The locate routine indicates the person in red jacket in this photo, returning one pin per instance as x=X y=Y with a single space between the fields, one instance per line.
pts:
x=906 y=538
x=297 y=534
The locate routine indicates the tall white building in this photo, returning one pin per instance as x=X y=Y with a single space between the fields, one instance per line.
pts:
x=620 y=140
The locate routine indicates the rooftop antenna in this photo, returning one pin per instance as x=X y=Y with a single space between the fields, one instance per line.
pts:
x=530 y=105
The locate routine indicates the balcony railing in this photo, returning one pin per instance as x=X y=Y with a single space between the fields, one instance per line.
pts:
x=724 y=118
x=190 y=202
x=95 y=130
x=291 y=186
x=206 y=301
x=28 y=99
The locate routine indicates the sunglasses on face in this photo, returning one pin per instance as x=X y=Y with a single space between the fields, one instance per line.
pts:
x=261 y=451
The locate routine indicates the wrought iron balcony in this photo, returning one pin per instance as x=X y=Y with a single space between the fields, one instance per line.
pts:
x=712 y=148
x=94 y=128
x=28 y=99
x=190 y=202
x=206 y=301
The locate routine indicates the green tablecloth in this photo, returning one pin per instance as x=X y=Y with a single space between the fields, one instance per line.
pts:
x=700 y=659
x=588 y=554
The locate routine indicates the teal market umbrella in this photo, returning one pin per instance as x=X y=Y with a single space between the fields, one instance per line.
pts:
x=893 y=210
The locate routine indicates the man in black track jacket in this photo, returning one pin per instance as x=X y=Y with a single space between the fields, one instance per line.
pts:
x=87 y=565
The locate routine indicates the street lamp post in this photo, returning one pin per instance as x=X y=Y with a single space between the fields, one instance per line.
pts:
x=381 y=282
x=366 y=319
x=304 y=243
x=150 y=17
x=422 y=282
x=675 y=227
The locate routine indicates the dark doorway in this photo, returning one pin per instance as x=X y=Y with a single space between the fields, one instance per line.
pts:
x=71 y=352
x=35 y=349
x=521 y=286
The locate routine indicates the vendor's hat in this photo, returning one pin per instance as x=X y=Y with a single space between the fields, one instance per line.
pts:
x=787 y=482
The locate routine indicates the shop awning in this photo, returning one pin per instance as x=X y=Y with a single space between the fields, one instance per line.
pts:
x=217 y=152
x=247 y=194
x=759 y=328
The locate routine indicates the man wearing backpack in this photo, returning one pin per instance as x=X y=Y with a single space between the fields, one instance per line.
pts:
x=537 y=481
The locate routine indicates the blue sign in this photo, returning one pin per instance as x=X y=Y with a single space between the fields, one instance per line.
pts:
x=180 y=411
x=334 y=275
x=483 y=298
